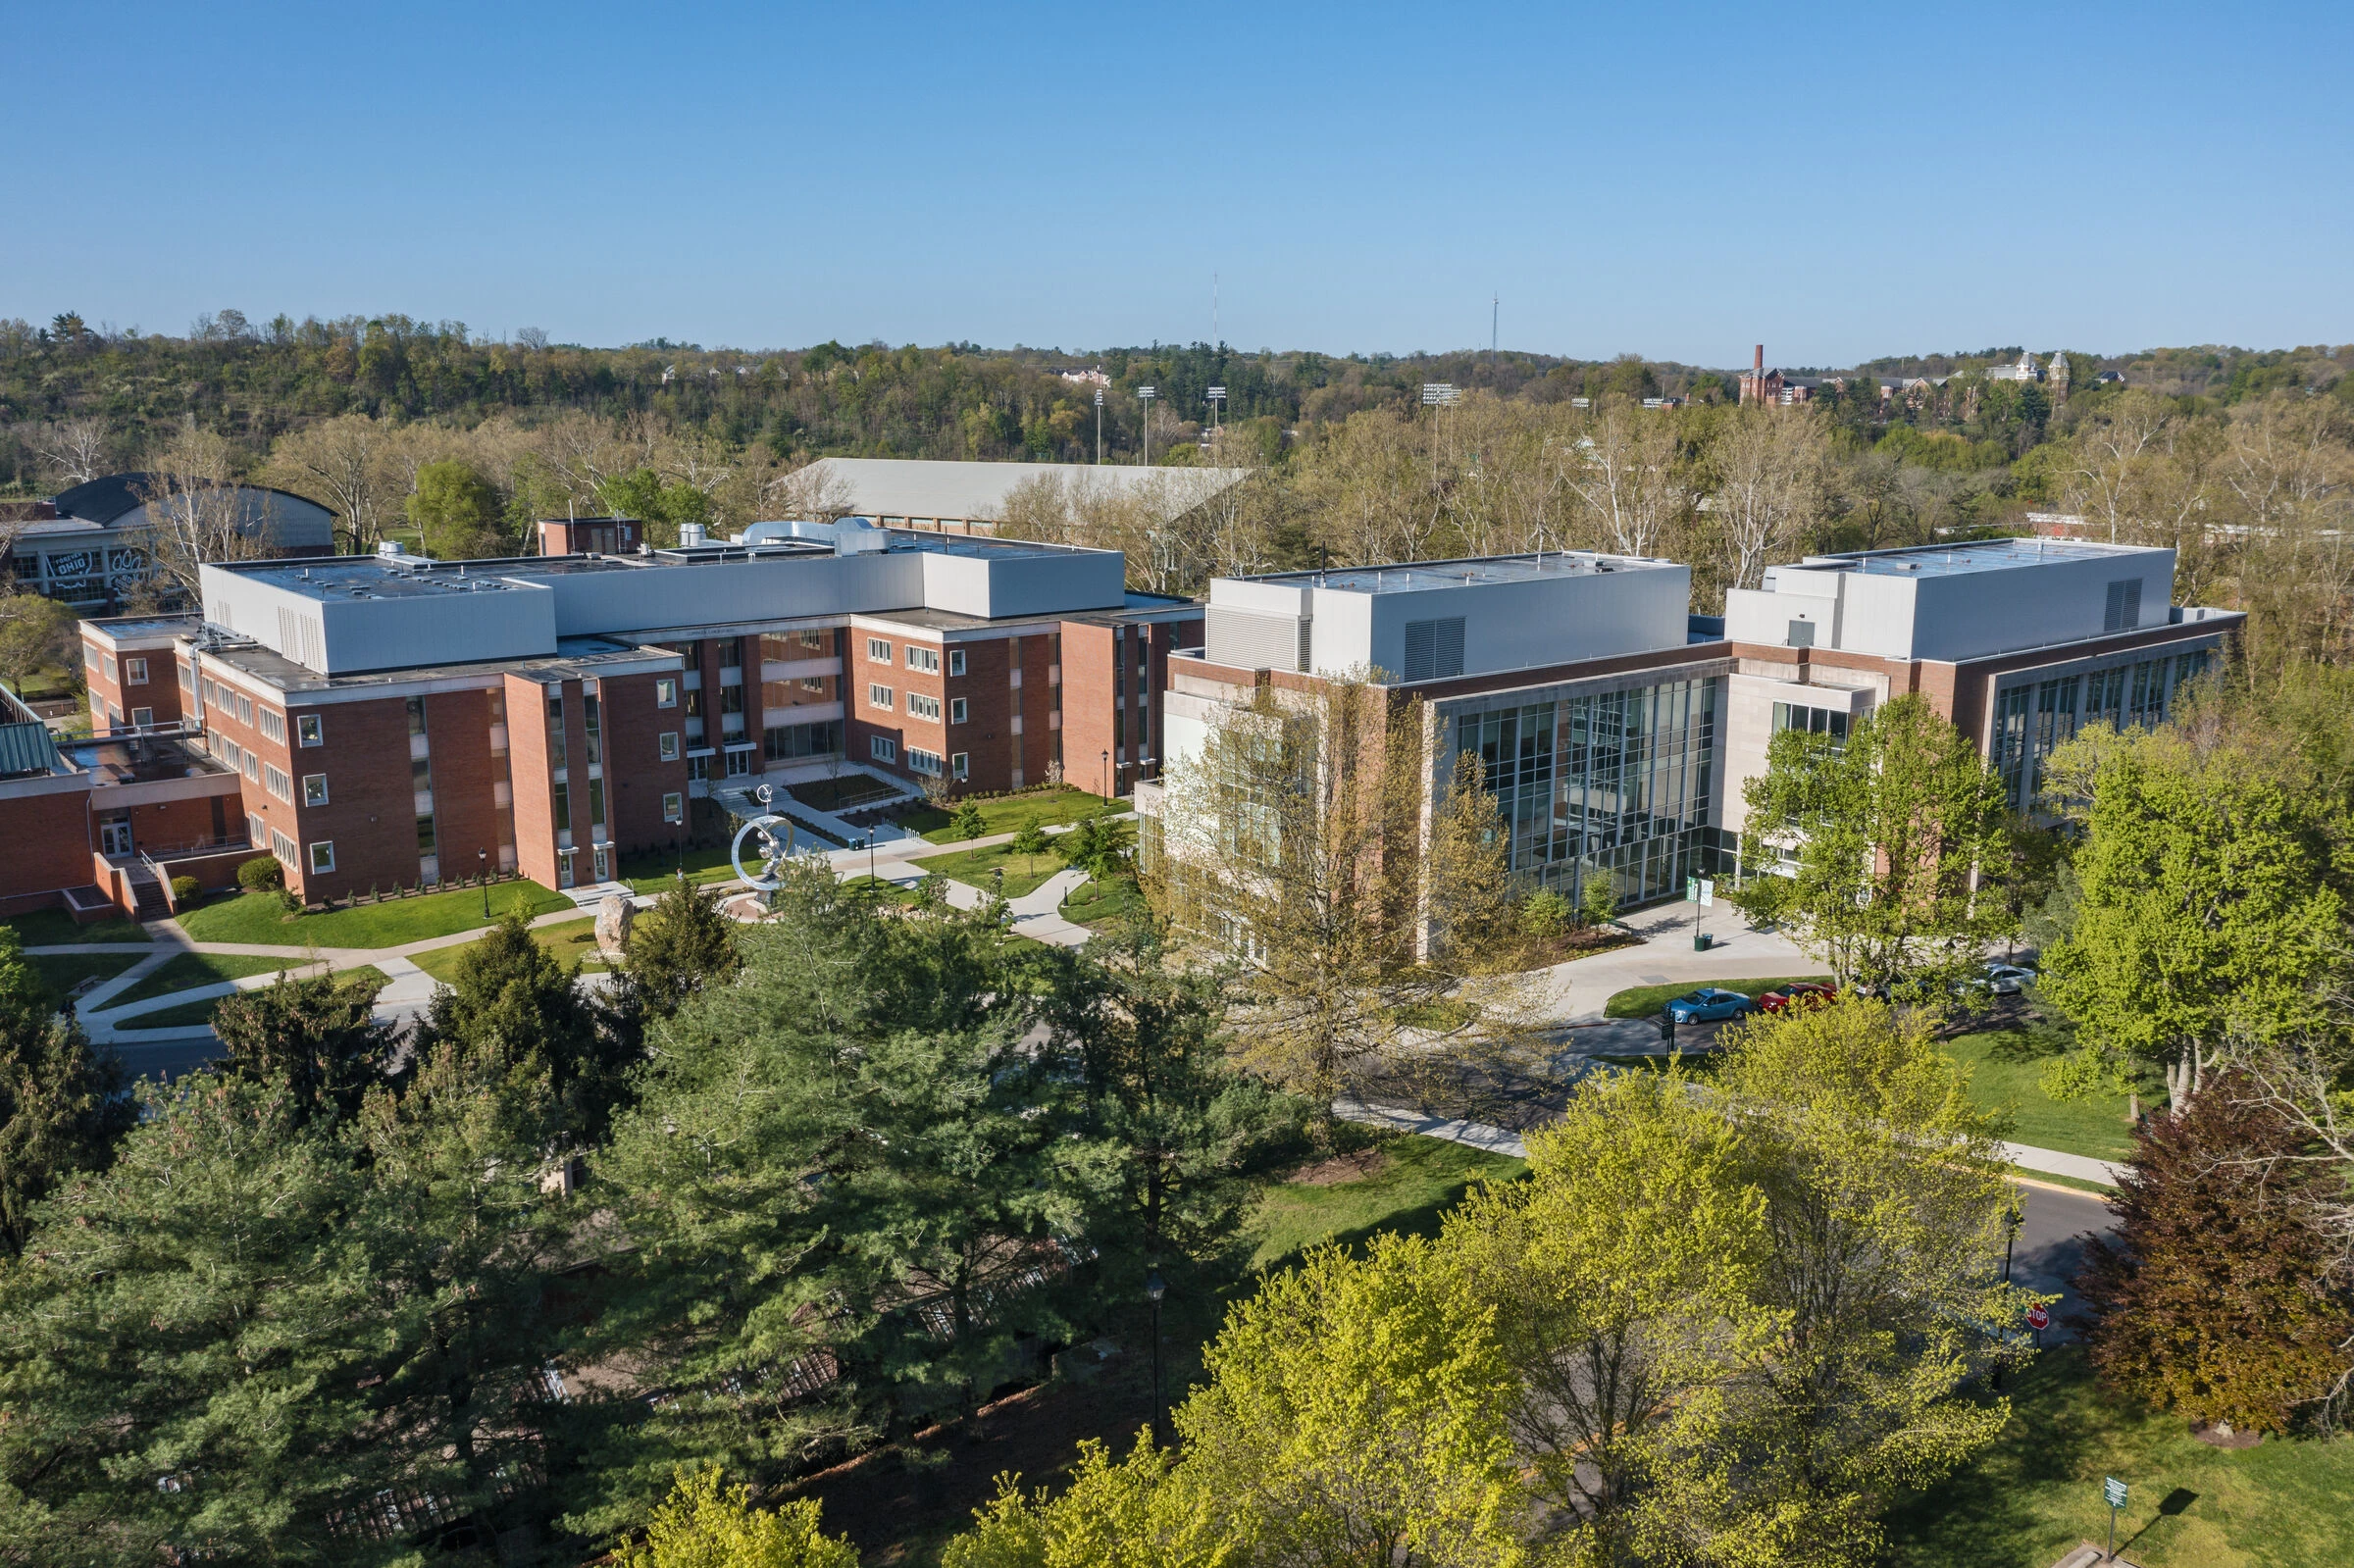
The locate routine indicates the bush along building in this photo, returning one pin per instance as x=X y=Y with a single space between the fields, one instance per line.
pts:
x=1617 y=731
x=390 y=722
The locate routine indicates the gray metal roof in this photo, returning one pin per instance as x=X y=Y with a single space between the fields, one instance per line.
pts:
x=1412 y=576
x=26 y=748
x=1974 y=555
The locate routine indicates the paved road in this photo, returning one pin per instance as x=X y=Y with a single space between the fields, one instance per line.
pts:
x=2050 y=1246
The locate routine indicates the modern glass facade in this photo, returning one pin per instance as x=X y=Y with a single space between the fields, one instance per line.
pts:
x=2032 y=718
x=1612 y=785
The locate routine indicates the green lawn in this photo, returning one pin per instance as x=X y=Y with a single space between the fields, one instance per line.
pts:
x=54 y=928
x=1099 y=906
x=1644 y=1001
x=191 y=970
x=256 y=918
x=1415 y=1179
x=2284 y=1504
x=2005 y=1068
x=202 y=1012
x=652 y=873
x=571 y=941
x=62 y=971
x=889 y=892
x=1045 y=807
x=1023 y=873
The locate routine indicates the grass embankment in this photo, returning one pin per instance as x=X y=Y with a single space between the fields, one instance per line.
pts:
x=1105 y=905
x=191 y=970
x=2025 y=1503
x=571 y=941
x=1409 y=1181
x=974 y=868
x=61 y=972
x=256 y=918
x=54 y=928
x=1047 y=807
x=1644 y=1001
x=202 y=1012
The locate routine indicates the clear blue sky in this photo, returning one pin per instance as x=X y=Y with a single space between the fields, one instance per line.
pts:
x=1677 y=182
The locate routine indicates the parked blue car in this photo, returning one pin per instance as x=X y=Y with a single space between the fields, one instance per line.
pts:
x=1708 y=1004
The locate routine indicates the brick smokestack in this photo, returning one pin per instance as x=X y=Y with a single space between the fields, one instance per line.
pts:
x=1760 y=366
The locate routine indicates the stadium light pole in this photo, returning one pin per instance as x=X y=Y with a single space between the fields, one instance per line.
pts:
x=1214 y=397
x=1099 y=427
x=1144 y=395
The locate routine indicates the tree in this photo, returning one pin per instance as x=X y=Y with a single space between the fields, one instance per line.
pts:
x=1354 y=1412
x=1174 y=1137
x=1883 y=1208
x=1031 y=839
x=681 y=946
x=345 y=464
x=34 y=632
x=1901 y=840
x=75 y=449
x=1629 y=478
x=1098 y=846
x=511 y=997
x=970 y=821
x=705 y=1523
x=1598 y=902
x=316 y=1040
x=642 y=493
x=1295 y=841
x=2217 y=1298
x=1621 y=1279
x=2212 y=901
x=198 y=514
x=1769 y=466
x=456 y=511
x=62 y=1107
x=1141 y=1512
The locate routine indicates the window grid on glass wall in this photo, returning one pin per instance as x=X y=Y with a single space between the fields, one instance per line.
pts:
x=2034 y=719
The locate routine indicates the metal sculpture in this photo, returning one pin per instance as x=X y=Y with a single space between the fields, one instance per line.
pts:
x=773 y=852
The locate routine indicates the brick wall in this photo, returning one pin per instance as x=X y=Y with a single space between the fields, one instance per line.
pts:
x=1093 y=759
x=371 y=810
x=49 y=846
x=529 y=766
x=862 y=721
x=457 y=727
x=635 y=776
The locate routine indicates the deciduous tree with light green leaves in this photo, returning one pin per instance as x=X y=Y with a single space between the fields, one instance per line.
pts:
x=2211 y=907
x=1897 y=840
x=705 y=1523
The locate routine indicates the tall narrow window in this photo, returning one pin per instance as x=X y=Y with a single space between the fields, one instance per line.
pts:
x=555 y=727
x=588 y=720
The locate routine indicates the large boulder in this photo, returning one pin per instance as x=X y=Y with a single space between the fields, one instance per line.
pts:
x=613 y=920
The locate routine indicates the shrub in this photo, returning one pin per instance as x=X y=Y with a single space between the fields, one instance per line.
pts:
x=289 y=903
x=970 y=821
x=1599 y=904
x=261 y=874
x=1544 y=913
x=183 y=891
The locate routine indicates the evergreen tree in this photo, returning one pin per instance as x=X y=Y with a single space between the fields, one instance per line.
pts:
x=511 y=997
x=316 y=1039
x=62 y=1104
x=682 y=944
x=2215 y=1297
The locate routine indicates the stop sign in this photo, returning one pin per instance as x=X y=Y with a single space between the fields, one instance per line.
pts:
x=2038 y=1317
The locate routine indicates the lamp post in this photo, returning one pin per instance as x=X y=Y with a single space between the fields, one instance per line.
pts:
x=1144 y=395
x=2014 y=1216
x=1154 y=1290
x=482 y=871
x=1107 y=774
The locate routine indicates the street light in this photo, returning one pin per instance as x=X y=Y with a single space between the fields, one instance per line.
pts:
x=1154 y=1290
x=1108 y=776
x=1144 y=395
x=481 y=869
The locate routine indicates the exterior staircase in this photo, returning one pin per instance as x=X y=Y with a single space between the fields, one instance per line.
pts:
x=147 y=890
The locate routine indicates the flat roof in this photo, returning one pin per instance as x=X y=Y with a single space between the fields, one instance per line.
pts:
x=585 y=654
x=126 y=628
x=1414 y=576
x=1974 y=555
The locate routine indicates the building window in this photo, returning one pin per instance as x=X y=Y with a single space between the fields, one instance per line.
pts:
x=925 y=659
x=694 y=702
x=307 y=730
x=1813 y=721
x=1801 y=635
x=596 y=732
x=739 y=762
x=559 y=803
x=882 y=748
x=257 y=832
x=955 y=710
x=555 y=728
x=674 y=806
x=314 y=789
x=135 y=671
x=666 y=692
x=668 y=741
x=955 y=661
x=142 y=718
x=322 y=855
x=253 y=767
x=920 y=706
x=281 y=846
x=960 y=765
x=425 y=837
x=596 y=803
x=879 y=697
x=89 y=659
x=278 y=783
x=731 y=699
x=699 y=767
x=106 y=661
x=789 y=741
x=187 y=679
x=877 y=652
x=924 y=762
x=731 y=653
x=274 y=724
x=416 y=716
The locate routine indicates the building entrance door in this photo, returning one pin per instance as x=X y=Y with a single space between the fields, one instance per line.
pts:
x=114 y=837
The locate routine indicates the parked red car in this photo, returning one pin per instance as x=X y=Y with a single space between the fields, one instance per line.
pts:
x=1798 y=994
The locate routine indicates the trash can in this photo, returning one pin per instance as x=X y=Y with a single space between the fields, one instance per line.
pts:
x=1703 y=941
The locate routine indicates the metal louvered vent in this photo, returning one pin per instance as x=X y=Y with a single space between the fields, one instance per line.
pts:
x=1434 y=650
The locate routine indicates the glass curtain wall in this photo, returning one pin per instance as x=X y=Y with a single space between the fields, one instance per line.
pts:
x=1615 y=785
x=2033 y=718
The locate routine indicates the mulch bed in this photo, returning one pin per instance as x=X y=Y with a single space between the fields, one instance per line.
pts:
x=1354 y=1166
